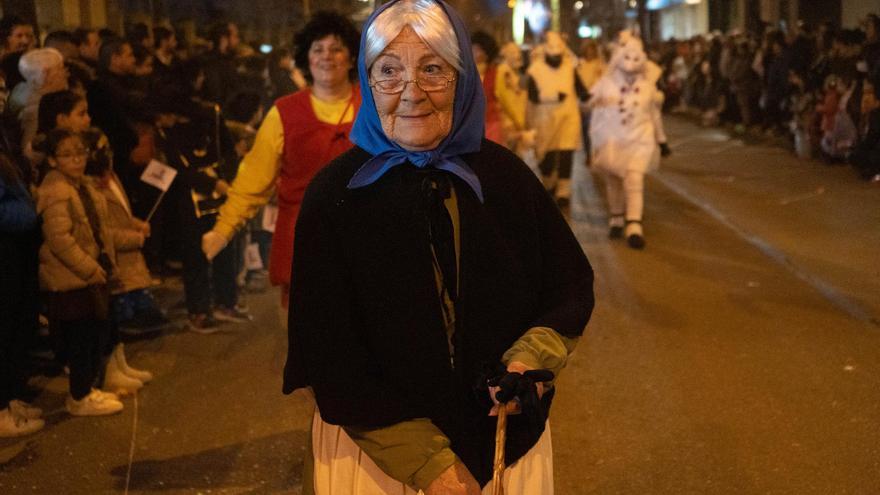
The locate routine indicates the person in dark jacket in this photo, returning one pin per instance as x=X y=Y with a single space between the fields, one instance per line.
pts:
x=119 y=113
x=429 y=261
x=194 y=139
x=19 y=298
x=221 y=77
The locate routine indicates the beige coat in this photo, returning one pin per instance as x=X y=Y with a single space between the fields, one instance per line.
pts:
x=128 y=238
x=69 y=254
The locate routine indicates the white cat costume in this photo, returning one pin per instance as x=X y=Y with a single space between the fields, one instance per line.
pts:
x=625 y=131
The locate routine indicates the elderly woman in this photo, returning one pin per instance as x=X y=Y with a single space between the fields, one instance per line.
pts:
x=428 y=260
x=44 y=72
x=300 y=134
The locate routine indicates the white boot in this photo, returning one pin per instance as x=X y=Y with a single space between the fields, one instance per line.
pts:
x=119 y=356
x=117 y=381
x=14 y=425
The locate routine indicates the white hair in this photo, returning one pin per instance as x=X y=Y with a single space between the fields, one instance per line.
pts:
x=34 y=64
x=426 y=18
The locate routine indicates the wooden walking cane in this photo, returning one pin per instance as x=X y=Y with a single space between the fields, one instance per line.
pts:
x=500 y=440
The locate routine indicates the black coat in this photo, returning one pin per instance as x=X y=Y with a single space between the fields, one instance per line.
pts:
x=366 y=329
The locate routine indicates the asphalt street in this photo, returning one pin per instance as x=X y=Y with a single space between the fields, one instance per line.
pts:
x=739 y=353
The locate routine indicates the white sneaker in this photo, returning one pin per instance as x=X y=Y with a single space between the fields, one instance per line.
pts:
x=119 y=356
x=106 y=395
x=94 y=404
x=115 y=379
x=13 y=425
x=25 y=410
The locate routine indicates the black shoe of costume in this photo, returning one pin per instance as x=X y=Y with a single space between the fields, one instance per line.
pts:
x=615 y=232
x=636 y=241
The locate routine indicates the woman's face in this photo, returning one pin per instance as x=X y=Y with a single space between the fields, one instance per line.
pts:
x=329 y=61
x=21 y=38
x=414 y=119
x=77 y=120
x=70 y=158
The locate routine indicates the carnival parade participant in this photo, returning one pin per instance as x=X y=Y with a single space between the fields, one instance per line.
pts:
x=554 y=90
x=428 y=259
x=626 y=132
x=299 y=135
x=512 y=97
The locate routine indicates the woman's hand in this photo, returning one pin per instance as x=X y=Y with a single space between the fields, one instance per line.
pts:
x=513 y=406
x=456 y=480
x=98 y=278
x=212 y=243
x=145 y=229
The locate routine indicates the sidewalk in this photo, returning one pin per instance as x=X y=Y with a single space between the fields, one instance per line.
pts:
x=822 y=222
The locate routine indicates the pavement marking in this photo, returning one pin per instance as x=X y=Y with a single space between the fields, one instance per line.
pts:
x=134 y=427
x=801 y=197
x=831 y=293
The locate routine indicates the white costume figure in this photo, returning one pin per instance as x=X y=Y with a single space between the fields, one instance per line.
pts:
x=554 y=90
x=625 y=131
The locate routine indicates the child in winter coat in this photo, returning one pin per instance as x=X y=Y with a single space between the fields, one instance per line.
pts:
x=76 y=267
x=68 y=111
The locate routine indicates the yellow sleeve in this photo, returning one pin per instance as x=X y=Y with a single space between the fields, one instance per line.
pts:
x=414 y=452
x=255 y=182
x=541 y=348
x=509 y=96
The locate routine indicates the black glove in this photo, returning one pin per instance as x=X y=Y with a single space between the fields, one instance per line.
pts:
x=523 y=387
x=665 y=150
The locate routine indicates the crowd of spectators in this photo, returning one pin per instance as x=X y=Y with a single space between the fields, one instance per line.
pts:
x=815 y=86
x=84 y=238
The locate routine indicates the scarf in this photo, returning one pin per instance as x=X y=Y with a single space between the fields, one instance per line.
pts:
x=468 y=120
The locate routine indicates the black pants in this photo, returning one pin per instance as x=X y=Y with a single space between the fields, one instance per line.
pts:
x=19 y=308
x=84 y=340
x=555 y=167
x=206 y=282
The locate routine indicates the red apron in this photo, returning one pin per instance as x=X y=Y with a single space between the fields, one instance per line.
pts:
x=309 y=145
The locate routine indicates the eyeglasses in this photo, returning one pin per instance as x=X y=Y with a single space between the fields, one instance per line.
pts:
x=428 y=84
x=83 y=153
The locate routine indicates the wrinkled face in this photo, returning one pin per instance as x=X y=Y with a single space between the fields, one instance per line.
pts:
x=21 y=38
x=414 y=119
x=329 y=61
x=77 y=120
x=70 y=158
x=632 y=60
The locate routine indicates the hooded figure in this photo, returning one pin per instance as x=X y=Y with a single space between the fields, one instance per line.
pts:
x=429 y=262
x=625 y=130
x=554 y=91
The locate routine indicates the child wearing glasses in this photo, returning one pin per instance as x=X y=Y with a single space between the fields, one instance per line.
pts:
x=76 y=266
x=68 y=111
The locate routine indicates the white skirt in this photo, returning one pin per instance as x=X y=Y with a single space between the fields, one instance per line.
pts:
x=342 y=468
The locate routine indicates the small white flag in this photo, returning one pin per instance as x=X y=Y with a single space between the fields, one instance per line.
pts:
x=159 y=175
x=270 y=218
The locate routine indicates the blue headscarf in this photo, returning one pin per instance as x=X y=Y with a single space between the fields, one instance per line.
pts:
x=468 y=120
